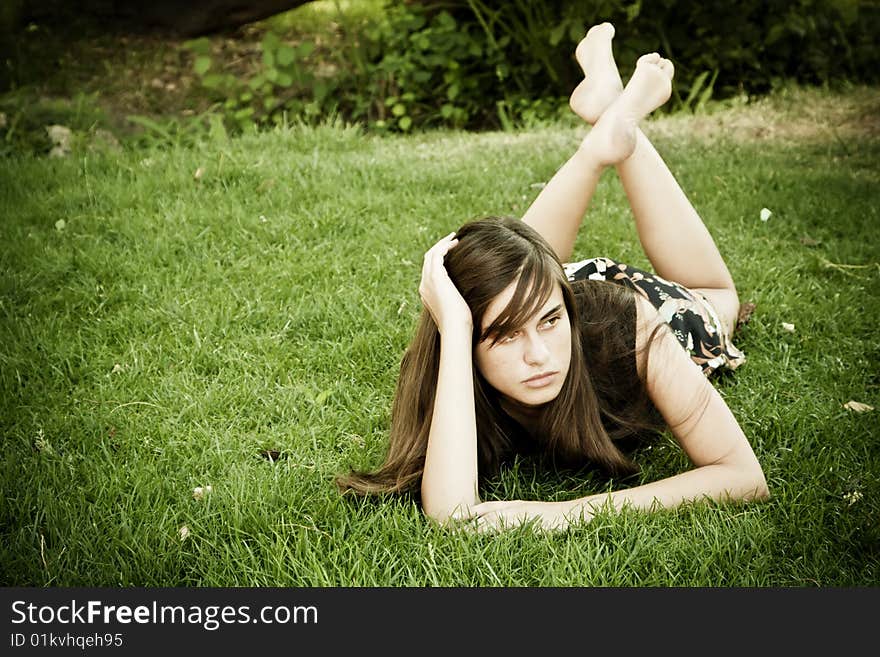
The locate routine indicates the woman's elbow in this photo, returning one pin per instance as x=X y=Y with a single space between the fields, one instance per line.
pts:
x=756 y=488
x=446 y=512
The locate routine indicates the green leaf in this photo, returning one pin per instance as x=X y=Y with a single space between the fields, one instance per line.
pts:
x=696 y=85
x=284 y=79
x=445 y=21
x=286 y=55
x=212 y=81
x=556 y=34
x=200 y=46
x=305 y=49
x=269 y=58
x=706 y=95
x=149 y=124
x=633 y=11
x=217 y=131
x=202 y=65
x=270 y=42
x=404 y=122
x=399 y=109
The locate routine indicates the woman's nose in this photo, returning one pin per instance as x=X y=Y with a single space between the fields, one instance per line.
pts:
x=536 y=351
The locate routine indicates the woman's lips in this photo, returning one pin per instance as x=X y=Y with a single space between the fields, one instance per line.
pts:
x=540 y=380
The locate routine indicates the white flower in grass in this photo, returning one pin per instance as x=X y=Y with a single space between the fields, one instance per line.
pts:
x=765 y=214
x=788 y=327
x=60 y=137
x=199 y=492
x=852 y=497
x=184 y=532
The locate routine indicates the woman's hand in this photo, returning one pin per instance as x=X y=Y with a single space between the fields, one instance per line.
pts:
x=495 y=516
x=439 y=294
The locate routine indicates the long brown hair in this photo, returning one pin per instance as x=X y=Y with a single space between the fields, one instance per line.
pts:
x=573 y=428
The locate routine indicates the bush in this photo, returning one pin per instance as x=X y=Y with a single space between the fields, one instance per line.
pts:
x=481 y=64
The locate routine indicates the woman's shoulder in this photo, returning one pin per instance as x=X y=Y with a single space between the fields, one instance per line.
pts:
x=648 y=323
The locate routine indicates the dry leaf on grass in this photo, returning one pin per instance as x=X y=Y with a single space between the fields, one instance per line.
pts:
x=272 y=455
x=745 y=313
x=788 y=327
x=184 y=532
x=858 y=407
x=199 y=173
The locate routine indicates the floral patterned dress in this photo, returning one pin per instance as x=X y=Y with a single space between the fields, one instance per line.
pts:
x=689 y=314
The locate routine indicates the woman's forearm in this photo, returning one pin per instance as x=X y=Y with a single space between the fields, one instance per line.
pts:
x=721 y=482
x=449 y=481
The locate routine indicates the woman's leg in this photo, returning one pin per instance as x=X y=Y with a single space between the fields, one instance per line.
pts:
x=672 y=234
x=559 y=209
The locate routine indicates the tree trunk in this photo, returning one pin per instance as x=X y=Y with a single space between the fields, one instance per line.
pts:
x=187 y=18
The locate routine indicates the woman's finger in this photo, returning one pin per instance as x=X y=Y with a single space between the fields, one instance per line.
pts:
x=442 y=246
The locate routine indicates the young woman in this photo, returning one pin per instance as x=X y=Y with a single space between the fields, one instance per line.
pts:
x=516 y=352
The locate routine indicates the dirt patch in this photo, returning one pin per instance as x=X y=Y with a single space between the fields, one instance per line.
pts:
x=789 y=115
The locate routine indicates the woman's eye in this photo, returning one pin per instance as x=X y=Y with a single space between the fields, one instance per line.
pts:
x=510 y=337
x=550 y=323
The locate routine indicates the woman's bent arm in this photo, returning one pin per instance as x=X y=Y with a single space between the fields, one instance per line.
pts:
x=449 y=481
x=725 y=466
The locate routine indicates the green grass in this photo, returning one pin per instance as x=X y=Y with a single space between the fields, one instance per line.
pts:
x=171 y=329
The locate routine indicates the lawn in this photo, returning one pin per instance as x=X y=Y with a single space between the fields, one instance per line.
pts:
x=232 y=313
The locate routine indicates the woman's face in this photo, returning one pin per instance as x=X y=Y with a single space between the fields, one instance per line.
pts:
x=529 y=365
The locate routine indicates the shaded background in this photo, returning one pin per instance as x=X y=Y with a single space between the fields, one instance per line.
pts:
x=394 y=66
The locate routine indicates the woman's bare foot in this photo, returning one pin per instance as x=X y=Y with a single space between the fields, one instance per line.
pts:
x=613 y=138
x=601 y=84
